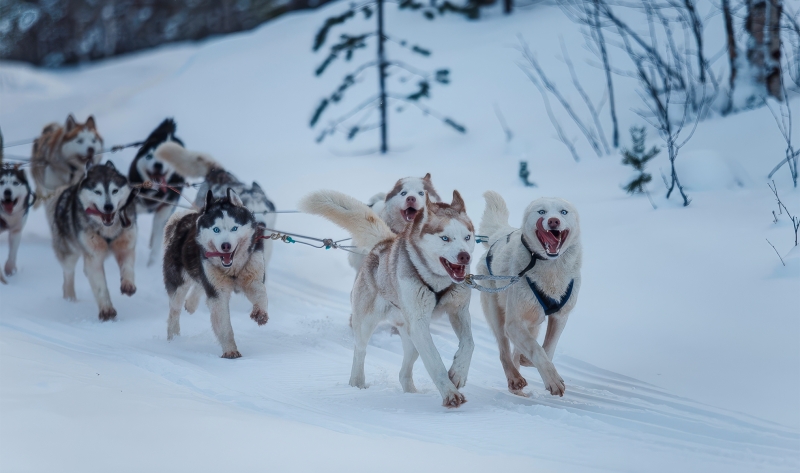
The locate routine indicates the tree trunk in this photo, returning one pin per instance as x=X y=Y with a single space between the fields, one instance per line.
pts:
x=508 y=6
x=764 y=46
x=382 y=77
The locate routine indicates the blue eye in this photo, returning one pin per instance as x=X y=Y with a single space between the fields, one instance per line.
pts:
x=234 y=229
x=564 y=212
x=444 y=238
x=216 y=229
x=467 y=238
x=542 y=212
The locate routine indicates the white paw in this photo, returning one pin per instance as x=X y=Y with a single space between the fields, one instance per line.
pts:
x=552 y=380
x=453 y=399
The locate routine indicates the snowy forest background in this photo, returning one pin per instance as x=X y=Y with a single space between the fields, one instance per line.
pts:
x=672 y=125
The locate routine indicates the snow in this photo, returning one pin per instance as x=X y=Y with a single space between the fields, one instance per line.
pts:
x=682 y=353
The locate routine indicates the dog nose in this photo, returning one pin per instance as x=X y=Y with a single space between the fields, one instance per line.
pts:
x=158 y=166
x=553 y=223
x=411 y=199
x=463 y=258
x=7 y=193
x=108 y=208
x=90 y=150
x=226 y=246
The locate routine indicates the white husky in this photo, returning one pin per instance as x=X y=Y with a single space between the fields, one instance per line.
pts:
x=399 y=207
x=405 y=279
x=547 y=252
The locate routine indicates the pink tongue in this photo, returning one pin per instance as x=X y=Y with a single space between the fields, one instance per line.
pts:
x=548 y=238
x=226 y=257
x=8 y=207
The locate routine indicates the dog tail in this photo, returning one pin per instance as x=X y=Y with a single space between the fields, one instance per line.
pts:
x=363 y=224
x=186 y=162
x=379 y=197
x=495 y=215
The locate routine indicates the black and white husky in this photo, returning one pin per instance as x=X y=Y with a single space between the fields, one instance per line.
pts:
x=158 y=200
x=219 y=251
x=16 y=198
x=93 y=218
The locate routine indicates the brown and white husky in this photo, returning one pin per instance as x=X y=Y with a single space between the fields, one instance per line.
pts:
x=62 y=154
x=405 y=279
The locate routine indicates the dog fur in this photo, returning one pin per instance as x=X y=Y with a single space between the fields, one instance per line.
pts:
x=399 y=206
x=16 y=198
x=191 y=259
x=405 y=279
x=61 y=155
x=516 y=314
x=93 y=218
x=157 y=200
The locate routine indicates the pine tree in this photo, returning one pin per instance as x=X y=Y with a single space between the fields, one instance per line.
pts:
x=637 y=158
x=354 y=121
x=524 y=174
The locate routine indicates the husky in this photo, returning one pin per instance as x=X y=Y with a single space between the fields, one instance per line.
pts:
x=62 y=154
x=93 y=218
x=219 y=250
x=546 y=254
x=218 y=181
x=16 y=198
x=405 y=279
x=158 y=200
x=399 y=207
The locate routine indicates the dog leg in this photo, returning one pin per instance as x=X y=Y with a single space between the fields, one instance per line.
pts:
x=256 y=293
x=175 y=303
x=555 y=325
x=268 y=244
x=14 y=239
x=221 y=323
x=525 y=340
x=462 y=325
x=410 y=355
x=363 y=326
x=157 y=236
x=419 y=329
x=96 y=274
x=194 y=298
x=68 y=263
x=124 y=249
x=496 y=317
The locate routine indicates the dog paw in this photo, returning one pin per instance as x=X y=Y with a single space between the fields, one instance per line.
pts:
x=458 y=379
x=10 y=268
x=107 y=314
x=453 y=400
x=231 y=355
x=128 y=288
x=358 y=382
x=516 y=384
x=553 y=381
x=259 y=315
x=524 y=361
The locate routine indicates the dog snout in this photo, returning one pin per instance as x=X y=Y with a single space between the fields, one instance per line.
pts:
x=411 y=200
x=226 y=247
x=463 y=258
x=158 y=167
x=7 y=193
x=90 y=151
x=108 y=208
x=553 y=223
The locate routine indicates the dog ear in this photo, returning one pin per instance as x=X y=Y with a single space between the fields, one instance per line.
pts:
x=256 y=187
x=458 y=203
x=90 y=122
x=427 y=177
x=111 y=165
x=71 y=123
x=234 y=198
x=209 y=200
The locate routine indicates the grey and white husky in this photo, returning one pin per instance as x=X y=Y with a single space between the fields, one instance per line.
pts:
x=94 y=218
x=399 y=207
x=405 y=279
x=547 y=252
x=16 y=198
x=219 y=251
x=158 y=200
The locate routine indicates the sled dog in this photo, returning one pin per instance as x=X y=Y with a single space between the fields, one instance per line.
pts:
x=405 y=279
x=219 y=250
x=399 y=207
x=62 y=154
x=16 y=198
x=158 y=200
x=546 y=252
x=93 y=218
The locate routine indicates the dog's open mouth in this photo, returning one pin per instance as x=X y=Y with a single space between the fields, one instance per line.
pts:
x=457 y=272
x=8 y=204
x=107 y=218
x=409 y=214
x=225 y=258
x=551 y=240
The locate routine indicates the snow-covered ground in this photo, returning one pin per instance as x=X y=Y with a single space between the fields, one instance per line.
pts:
x=682 y=353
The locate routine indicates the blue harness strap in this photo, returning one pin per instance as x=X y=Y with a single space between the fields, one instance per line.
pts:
x=550 y=305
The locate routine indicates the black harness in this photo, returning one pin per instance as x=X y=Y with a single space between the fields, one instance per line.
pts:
x=550 y=305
